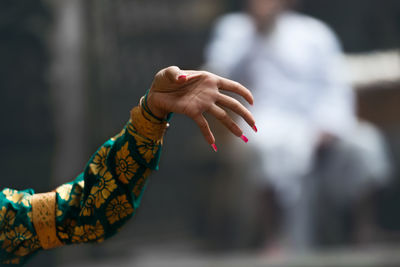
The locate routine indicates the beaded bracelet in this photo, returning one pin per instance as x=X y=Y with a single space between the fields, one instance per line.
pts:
x=146 y=109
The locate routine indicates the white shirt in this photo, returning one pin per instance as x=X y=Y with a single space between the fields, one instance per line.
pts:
x=295 y=74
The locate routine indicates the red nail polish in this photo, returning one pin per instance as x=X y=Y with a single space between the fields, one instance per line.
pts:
x=214 y=146
x=244 y=138
x=255 y=128
x=182 y=77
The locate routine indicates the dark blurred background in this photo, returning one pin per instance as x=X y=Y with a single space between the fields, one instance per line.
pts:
x=71 y=70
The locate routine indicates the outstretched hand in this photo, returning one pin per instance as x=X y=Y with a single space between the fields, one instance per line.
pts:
x=193 y=93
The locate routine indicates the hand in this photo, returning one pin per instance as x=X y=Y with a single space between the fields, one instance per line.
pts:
x=194 y=92
x=325 y=139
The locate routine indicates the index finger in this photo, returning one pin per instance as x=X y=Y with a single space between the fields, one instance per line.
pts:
x=237 y=88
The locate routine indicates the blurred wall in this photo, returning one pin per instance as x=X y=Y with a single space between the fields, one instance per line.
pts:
x=27 y=133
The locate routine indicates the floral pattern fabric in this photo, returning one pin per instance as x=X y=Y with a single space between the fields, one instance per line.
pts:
x=91 y=208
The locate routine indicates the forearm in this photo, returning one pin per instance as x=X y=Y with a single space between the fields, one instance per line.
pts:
x=93 y=206
x=109 y=191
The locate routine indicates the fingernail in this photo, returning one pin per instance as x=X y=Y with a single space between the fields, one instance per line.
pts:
x=255 y=128
x=244 y=138
x=182 y=77
x=214 y=146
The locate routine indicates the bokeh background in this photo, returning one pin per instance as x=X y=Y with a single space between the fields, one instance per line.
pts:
x=71 y=70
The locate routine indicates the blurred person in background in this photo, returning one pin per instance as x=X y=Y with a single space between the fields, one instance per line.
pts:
x=315 y=155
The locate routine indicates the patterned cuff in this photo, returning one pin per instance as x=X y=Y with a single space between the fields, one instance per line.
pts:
x=150 y=129
x=44 y=219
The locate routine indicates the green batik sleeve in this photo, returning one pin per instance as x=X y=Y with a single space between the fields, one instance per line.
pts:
x=18 y=238
x=108 y=192
x=97 y=203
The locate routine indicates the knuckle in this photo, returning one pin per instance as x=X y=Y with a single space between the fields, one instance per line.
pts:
x=206 y=73
x=171 y=68
x=210 y=80
x=237 y=84
x=222 y=115
x=232 y=125
x=159 y=73
x=203 y=125
x=225 y=116
x=236 y=105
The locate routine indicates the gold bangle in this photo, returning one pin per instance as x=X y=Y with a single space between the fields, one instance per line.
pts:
x=44 y=219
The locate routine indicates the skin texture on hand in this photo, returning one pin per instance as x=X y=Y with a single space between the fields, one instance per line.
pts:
x=193 y=93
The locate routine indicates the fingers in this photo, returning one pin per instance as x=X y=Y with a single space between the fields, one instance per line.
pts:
x=237 y=88
x=205 y=129
x=225 y=119
x=236 y=107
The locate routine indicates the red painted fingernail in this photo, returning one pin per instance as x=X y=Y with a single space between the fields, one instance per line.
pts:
x=244 y=138
x=214 y=146
x=255 y=128
x=182 y=77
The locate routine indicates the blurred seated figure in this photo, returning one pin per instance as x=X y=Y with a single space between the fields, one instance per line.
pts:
x=315 y=155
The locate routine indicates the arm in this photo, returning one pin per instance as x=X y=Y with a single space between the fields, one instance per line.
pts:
x=93 y=206
x=107 y=193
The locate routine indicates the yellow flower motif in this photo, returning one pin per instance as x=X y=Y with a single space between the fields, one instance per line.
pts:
x=118 y=208
x=29 y=215
x=67 y=230
x=88 y=232
x=7 y=218
x=22 y=251
x=87 y=209
x=76 y=196
x=103 y=189
x=64 y=191
x=33 y=243
x=79 y=235
x=12 y=261
x=63 y=235
x=137 y=189
x=15 y=236
x=10 y=217
x=3 y=213
x=59 y=212
x=118 y=135
x=98 y=165
x=126 y=167
x=94 y=232
x=17 y=198
x=145 y=147
x=28 y=246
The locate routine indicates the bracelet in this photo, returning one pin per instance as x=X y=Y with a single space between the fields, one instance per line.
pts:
x=147 y=111
x=44 y=219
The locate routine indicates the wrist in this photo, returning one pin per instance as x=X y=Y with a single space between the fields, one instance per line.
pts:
x=154 y=106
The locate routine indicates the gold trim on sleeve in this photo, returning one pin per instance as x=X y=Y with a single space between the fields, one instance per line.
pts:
x=44 y=219
x=151 y=130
